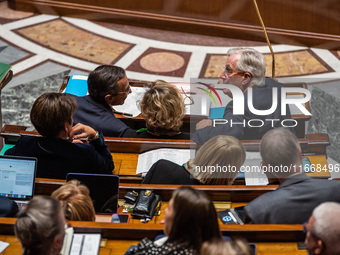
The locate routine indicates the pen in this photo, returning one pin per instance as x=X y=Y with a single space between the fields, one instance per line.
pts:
x=232 y=216
x=124 y=113
x=158 y=210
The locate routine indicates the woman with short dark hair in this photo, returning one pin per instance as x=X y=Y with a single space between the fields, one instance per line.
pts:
x=190 y=219
x=60 y=151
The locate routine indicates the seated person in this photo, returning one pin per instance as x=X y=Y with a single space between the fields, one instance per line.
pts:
x=221 y=247
x=8 y=208
x=219 y=153
x=107 y=86
x=245 y=69
x=297 y=195
x=40 y=226
x=76 y=201
x=60 y=151
x=163 y=109
x=323 y=230
x=189 y=220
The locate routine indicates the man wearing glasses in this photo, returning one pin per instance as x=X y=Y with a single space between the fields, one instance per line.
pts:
x=245 y=68
x=323 y=230
x=107 y=86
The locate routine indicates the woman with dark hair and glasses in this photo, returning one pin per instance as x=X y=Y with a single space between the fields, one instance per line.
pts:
x=163 y=109
x=40 y=226
x=190 y=219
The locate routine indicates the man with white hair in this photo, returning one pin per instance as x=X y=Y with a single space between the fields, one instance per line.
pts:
x=323 y=230
x=245 y=68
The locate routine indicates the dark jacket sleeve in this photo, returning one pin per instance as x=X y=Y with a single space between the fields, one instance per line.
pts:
x=168 y=172
x=10 y=151
x=8 y=208
x=101 y=155
x=222 y=127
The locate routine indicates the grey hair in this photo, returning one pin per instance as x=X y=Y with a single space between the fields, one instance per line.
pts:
x=251 y=61
x=280 y=147
x=38 y=223
x=327 y=225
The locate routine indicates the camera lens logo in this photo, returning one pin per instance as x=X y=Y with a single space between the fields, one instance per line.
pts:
x=211 y=88
x=227 y=219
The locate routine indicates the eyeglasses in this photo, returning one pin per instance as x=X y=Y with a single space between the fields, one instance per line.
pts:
x=127 y=90
x=227 y=70
x=191 y=100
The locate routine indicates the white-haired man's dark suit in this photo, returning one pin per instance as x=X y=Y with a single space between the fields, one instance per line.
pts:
x=293 y=201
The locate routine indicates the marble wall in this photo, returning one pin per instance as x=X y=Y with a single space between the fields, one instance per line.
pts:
x=326 y=117
x=17 y=101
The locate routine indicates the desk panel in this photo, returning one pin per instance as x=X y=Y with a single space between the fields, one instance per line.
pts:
x=126 y=165
x=119 y=247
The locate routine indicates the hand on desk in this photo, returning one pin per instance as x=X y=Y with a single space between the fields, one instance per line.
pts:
x=84 y=132
x=203 y=123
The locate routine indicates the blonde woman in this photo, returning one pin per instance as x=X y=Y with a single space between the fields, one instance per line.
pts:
x=76 y=201
x=163 y=109
x=217 y=162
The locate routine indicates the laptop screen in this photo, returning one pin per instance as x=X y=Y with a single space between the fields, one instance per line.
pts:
x=103 y=190
x=17 y=176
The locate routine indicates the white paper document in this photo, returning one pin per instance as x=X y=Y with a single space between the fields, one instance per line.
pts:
x=3 y=246
x=131 y=103
x=147 y=159
x=65 y=250
x=252 y=170
x=85 y=244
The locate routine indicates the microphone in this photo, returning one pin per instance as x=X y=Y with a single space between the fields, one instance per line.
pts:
x=266 y=35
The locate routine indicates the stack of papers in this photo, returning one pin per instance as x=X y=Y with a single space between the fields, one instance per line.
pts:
x=147 y=159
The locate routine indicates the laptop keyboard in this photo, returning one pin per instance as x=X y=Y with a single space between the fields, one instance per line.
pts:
x=21 y=203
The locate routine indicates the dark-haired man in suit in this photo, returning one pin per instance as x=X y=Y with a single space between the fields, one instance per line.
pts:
x=107 y=86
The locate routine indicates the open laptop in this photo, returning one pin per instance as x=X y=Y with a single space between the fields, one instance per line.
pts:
x=103 y=190
x=17 y=177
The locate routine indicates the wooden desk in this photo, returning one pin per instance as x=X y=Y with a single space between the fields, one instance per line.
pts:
x=137 y=230
x=270 y=239
x=312 y=144
x=119 y=247
x=125 y=151
x=126 y=165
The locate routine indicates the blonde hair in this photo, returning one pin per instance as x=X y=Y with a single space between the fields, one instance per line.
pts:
x=76 y=201
x=38 y=224
x=221 y=247
x=218 y=161
x=162 y=107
